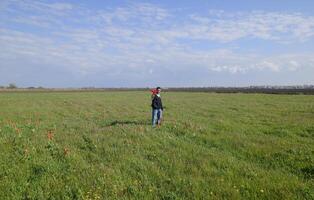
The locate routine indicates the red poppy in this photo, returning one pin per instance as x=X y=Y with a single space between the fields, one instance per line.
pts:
x=50 y=135
x=66 y=151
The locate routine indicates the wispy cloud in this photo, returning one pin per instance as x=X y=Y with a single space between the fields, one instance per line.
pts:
x=225 y=27
x=139 y=38
x=143 y=12
x=42 y=7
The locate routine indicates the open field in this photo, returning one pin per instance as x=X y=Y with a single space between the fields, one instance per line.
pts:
x=95 y=145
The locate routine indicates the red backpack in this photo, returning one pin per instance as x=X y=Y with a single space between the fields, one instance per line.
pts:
x=153 y=91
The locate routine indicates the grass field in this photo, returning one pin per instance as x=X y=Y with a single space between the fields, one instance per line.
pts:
x=100 y=145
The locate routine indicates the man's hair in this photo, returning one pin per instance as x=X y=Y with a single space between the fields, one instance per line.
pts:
x=158 y=88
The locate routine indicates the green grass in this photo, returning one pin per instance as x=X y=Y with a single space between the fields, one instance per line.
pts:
x=211 y=146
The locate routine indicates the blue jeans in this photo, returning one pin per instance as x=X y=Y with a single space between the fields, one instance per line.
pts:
x=156 y=116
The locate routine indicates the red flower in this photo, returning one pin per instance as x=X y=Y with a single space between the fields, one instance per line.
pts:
x=66 y=151
x=18 y=131
x=50 y=135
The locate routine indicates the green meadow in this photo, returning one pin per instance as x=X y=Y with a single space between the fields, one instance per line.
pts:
x=100 y=145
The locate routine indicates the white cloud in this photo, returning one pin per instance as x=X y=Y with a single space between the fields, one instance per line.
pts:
x=61 y=6
x=140 y=14
x=140 y=38
x=43 y=7
x=227 y=27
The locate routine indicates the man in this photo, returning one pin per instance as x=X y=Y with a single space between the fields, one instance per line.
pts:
x=156 y=107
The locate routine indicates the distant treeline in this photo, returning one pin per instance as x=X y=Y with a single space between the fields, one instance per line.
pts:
x=308 y=90
x=267 y=90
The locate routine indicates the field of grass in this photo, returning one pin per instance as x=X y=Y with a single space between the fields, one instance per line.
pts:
x=100 y=145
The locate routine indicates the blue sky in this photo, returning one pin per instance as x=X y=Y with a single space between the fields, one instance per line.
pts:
x=147 y=43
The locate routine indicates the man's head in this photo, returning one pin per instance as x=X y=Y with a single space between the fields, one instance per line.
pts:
x=158 y=89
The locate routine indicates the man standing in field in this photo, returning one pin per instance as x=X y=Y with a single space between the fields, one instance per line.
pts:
x=157 y=108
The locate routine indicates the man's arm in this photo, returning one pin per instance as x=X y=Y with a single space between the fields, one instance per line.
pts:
x=154 y=102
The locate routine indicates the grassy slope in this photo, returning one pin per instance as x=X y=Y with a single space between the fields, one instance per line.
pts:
x=211 y=146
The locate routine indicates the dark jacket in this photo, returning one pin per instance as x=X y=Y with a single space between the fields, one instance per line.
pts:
x=156 y=103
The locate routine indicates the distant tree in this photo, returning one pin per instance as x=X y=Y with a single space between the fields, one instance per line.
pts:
x=12 y=86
